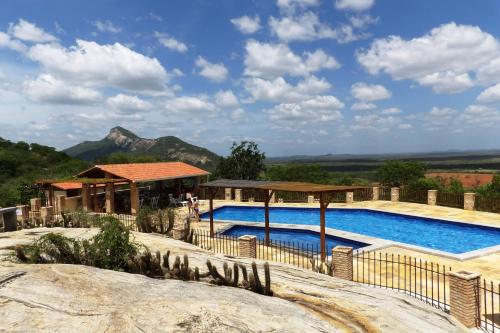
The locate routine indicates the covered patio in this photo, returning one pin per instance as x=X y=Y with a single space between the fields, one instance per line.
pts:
x=268 y=188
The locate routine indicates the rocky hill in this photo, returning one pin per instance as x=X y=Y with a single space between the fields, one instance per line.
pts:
x=167 y=148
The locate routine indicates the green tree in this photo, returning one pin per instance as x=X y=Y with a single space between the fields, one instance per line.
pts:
x=311 y=173
x=491 y=190
x=245 y=162
x=400 y=173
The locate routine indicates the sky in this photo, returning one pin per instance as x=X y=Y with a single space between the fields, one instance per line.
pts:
x=295 y=76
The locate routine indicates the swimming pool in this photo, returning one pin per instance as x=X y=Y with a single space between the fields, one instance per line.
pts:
x=431 y=233
x=298 y=237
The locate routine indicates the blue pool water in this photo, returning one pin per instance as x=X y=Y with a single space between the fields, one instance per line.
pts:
x=300 y=237
x=431 y=233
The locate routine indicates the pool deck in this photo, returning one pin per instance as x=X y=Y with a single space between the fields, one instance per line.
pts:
x=485 y=262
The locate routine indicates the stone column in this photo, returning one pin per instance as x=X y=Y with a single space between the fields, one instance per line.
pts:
x=310 y=199
x=375 y=193
x=134 y=199
x=60 y=203
x=110 y=198
x=342 y=258
x=349 y=197
x=469 y=201
x=86 y=197
x=46 y=214
x=465 y=301
x=248 y=246
x=237 y=195
x=35 y=204
x=432 y=197
x=394 y=194
x=228 y=194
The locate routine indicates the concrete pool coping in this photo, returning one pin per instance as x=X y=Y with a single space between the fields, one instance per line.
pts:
x=375 y=244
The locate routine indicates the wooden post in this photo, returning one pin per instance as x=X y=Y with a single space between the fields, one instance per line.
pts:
x=211 y=201
x=323 y=204
x=94 y=198
x=267 y=197
x=110 y=198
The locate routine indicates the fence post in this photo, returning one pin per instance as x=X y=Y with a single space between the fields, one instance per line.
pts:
x=248 y=246
x=465 y=302
x=469 y=201
x=237 y=195
x=310 y=199
x=228 y=195
x=349 y=197
x=342 y=260
x=394 y=194
x=375 y=193
x=432 y=197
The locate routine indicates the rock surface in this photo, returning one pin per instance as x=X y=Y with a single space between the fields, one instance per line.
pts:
x=67 y=298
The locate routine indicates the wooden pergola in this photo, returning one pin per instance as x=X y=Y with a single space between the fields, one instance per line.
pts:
x=268 y=188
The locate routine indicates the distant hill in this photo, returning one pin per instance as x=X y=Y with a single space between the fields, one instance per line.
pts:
x=167 y=148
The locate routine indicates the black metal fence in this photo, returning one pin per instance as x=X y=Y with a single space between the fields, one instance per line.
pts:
x=425 y=281
x=486 y=204
x=410 y=195
x=76 y=220
x=293 y=197
x=454 y=200
x=384 y=193
x=489 y=306
x=364 y=194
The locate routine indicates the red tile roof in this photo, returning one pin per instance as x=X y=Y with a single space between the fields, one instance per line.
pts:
x=468 y=180
x=143 y=172
x=68 y=186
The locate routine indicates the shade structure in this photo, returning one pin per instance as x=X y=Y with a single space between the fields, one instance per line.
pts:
x=325 y=192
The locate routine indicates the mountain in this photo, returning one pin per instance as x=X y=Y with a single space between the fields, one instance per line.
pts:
x=167 y=148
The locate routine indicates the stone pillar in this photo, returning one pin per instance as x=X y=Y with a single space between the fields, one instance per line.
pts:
x=394 y=194
x=25 y=214
x=273 y=197
x=46 y=214
x=342 y=258
x=310 y=199
x=465 y=301
x=35 y=204
x=237 y=195
x=432 y=197
x=178 y=233
x=375 y=193
x=60 y=203
x=469 y=201
x=349 y=197
x=248 y=246
x=110 y=198
x=228 y=194
x=86 y=197
x=134 y=199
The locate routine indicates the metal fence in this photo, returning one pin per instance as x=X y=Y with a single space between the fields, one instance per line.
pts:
x=364 y=194
x=486 y=204
x=384 y=193
x=489 y=306
x=425 y=281
x=450 y=199
x=291 y=196
x=409 y=195
x=76 y=220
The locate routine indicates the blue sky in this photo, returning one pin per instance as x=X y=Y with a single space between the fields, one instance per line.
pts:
x=296 y=76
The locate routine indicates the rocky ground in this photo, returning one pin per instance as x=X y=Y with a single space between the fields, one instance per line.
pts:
x=67 y=298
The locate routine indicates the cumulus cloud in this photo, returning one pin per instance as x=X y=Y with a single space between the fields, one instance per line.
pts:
x=369 y=92
x=128 y=104
x=272 y=60
x=226 y=99
x=246 y=24
x=279 y=90
x=106 y=26
x=171 y=43
x=48 y=89
x=212 y=71
x=490 y=95
x=391 y=111
x=7 y=42
x=190 y=104
x=290 y=6
x=480 y=115
x=363 y=106
x=356 y=5
x=442 y=59
x=317 y=109
x=95 y=64
x=374 y=122
x=29 y=32
x=237 y=114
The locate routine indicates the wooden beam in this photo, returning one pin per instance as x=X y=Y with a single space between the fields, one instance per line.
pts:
x=211 y=201
x=267 y=198
x=324 y=200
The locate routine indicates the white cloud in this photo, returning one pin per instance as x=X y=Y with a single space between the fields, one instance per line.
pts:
x=391 y=111
x=362 y=21
x=374 y=122
x=171 y=43
x=128 y=104
x=306 y=27
x=480 y=115
x=226 y=99
x=106 y=26
x=8 y=43
x=363 y=106
x=441 y=59
x=94 y=64
x=246 y=24
x=29 y=32
x=490 y=95
x=439 y=117
x=356 y=5
x=278 y=90
x=238 y=114
x=190 y=104
x=290 y=6
x=272 y=60
x=317 y=109
x=369 y=92
x=405 y=126
x=48 y=89
x=212 y=71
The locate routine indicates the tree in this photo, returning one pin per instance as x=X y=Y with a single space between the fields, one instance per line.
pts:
x=245 y=162
x=311 y=173
x=400 y=173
